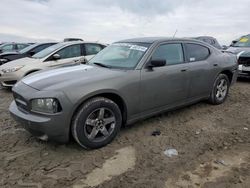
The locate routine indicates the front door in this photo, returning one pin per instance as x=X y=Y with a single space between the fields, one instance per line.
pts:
x=68 y=56
x=163 y=87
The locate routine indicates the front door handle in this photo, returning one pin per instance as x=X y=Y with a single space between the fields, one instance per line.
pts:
x=183 y=70
x=215 y=65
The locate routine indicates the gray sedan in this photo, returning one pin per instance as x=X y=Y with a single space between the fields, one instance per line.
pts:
x=128 y=81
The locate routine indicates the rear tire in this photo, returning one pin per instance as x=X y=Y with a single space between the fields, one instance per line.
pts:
x=220 y=90
x=96 y=123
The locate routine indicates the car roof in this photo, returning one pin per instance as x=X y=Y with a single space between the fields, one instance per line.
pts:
x=79 y=42
x=204 y=37
x=151 y=40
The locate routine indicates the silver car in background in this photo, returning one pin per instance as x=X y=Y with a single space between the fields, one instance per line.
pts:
x=241 y=48
x=58 y=55
x=128 y=81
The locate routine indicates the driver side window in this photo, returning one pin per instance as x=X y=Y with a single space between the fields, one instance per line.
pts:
x=70 y=52
x=172 y=53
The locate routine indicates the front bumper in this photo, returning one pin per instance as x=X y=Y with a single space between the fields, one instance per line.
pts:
x=45 y=128
x=55 y=127
x=244 y=70
x=9 y=79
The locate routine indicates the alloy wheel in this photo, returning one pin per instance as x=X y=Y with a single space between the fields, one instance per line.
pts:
x=221 y=89
x=99 y=125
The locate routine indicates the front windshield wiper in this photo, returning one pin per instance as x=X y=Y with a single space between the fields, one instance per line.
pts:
x=101 y=65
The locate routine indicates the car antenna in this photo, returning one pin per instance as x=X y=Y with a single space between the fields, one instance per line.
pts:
x=175 y=33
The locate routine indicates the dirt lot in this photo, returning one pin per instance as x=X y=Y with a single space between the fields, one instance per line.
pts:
x=213 y=144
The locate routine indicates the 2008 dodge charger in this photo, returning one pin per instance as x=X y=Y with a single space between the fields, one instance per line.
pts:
x=127 y=81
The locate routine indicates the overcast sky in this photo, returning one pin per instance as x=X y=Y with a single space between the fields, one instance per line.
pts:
x=112 y=20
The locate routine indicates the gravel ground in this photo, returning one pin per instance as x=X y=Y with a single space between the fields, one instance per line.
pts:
x=213 y=144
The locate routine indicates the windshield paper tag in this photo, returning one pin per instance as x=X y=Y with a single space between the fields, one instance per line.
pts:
x=139 y=48
x=243 y=39
x=132 y=46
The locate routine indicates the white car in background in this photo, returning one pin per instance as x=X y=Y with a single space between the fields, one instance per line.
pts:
x=58 y=55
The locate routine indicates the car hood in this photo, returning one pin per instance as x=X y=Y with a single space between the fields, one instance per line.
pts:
x=237 y=50
x=58 y=79
x=19 y=62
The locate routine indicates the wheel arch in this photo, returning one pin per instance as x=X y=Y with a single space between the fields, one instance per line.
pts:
x=112 y=95
x=229 y=74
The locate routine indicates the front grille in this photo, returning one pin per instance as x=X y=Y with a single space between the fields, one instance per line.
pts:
x=21 y=103
x=244 y=61
x=13 y=82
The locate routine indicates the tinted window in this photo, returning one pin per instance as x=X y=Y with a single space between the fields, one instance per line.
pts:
x=196 y=52
x=40 y=48
x=7 y=47
x=28 y=48
x=70 y=51
x=172 y=53
x=48 y=51
x=21 y=46
x=92 y=49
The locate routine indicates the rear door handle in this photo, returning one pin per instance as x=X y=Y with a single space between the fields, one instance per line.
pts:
x=183 y=70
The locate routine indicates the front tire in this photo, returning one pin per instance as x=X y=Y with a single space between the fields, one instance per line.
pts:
x=96 y=123
x=220 y=90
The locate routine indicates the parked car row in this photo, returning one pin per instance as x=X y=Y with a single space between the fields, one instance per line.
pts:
x=13 y=47
x=26 y=52
x=125 y=82
x=45 y=56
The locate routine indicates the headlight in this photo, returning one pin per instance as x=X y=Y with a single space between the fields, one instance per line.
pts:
x=46 y=105
x=13 y=69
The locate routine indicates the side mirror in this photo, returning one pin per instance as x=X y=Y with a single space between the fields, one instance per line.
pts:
x=56 y=56
x=32 y=53
x=224 y=47
x=157 y=63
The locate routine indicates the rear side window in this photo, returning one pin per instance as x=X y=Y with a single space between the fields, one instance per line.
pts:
x=21 y=46
x=172 y=53
x=92 y=49
x=70 y=51
x=7 y=47
x=196 y=52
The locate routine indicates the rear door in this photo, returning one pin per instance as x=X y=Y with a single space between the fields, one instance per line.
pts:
x=199 y=68
x=69 y=56
x=168 y=85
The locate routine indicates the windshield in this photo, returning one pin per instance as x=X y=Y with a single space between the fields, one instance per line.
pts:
x=120 y=55
x=48 y=50
x=28 y=48
x=243 y=42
